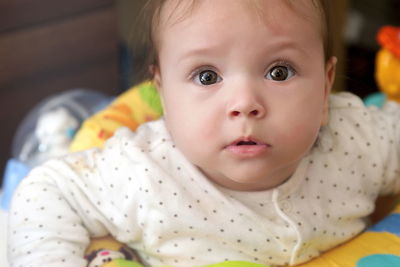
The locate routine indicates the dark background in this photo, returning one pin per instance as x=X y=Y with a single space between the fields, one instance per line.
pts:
x=361 y=46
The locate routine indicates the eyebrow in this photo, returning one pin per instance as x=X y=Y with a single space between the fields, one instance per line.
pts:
x=214 y=49
x=200 y=51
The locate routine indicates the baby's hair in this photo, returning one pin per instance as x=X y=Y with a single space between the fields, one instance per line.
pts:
x=325 y=9
x=152 y=12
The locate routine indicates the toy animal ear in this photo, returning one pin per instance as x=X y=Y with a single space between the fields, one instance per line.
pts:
x=129 y=253
x=89 y=257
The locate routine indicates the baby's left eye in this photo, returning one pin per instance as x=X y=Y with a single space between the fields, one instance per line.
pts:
x=280 y=73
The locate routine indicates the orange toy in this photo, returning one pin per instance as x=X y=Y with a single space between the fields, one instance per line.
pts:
x=388 y=62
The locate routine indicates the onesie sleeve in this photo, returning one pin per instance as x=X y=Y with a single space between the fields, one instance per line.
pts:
x=46 y=227
x=387 y=127
x=370 y=137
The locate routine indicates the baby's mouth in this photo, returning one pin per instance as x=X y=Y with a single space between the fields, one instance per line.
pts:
x=247 y=147
x=246 y=143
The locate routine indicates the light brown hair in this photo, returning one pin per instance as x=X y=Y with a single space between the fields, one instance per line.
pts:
x=151 y=19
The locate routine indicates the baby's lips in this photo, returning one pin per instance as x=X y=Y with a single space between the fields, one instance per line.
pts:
x=248 y=141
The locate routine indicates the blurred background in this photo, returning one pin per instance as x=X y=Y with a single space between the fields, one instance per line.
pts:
x=52 y=46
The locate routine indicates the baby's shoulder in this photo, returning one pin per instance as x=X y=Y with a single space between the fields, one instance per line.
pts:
x=348 y=109
x=147 y=136
x=353 y=125
x=125 y=148
x=345 y=100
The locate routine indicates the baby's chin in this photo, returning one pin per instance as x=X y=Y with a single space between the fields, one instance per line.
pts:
x=240 y=185
x=247 y=182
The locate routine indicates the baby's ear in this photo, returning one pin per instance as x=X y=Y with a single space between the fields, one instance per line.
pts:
x=156 y=74
x=330 y=71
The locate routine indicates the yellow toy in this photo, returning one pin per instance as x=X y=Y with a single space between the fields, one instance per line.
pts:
x=134 y=107
x=388 y=62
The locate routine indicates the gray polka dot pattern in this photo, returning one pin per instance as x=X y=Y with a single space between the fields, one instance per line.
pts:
x=142 y=190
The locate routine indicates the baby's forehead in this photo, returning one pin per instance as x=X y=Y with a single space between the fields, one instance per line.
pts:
x=214 y=28
x=176 y=11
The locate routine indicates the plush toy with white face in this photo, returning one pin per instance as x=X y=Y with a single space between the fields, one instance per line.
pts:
x=104 y=256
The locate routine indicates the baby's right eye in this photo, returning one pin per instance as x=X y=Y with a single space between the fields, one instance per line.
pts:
x=208 y=77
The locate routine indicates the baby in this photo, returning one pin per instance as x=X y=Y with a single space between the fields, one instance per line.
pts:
x=253 y=160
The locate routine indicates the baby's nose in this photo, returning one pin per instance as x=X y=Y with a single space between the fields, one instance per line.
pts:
x=248 y=107
x=245 y=99
x=253 y=113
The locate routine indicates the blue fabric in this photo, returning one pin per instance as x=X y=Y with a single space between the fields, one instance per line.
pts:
x=15 y=171
x=379 y=260
x=390 y=224
x=375 y=99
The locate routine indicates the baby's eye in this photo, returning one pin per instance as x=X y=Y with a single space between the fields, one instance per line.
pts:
x=280 y=73
x=208 y=77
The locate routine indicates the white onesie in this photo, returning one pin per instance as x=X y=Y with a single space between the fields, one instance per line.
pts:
x=142 y=191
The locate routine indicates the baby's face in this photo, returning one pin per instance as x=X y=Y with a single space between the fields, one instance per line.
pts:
x=244 y=89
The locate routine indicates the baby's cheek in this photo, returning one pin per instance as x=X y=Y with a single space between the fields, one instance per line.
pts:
x=299 y=141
